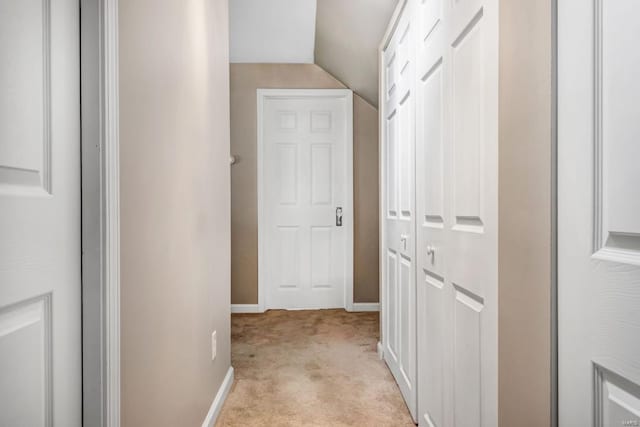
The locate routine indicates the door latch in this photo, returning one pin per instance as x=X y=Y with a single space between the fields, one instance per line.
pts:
x=339 y=216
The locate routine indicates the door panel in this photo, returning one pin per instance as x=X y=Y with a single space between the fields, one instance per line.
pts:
x=399 y=339
x=391 y=330
x=598 y=213
x=456 y=179
x=306 y=179
x=40 y=347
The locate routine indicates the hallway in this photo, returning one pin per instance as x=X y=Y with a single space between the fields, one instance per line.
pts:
x=296 y=368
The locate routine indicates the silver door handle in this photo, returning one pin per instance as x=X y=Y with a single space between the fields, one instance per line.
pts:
x=431 y=250
x=339 y=216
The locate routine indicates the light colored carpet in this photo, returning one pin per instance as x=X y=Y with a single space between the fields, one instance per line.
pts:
x=310 y=368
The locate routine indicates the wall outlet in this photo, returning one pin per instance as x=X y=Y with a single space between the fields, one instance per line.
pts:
x=213 y=345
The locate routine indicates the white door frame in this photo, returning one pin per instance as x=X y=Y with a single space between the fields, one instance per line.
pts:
x=347 y=94
x=100 y=213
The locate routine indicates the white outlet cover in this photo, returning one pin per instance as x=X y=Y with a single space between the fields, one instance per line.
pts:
x=213 y=345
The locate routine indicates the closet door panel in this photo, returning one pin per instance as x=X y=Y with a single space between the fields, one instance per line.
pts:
x=399 y=208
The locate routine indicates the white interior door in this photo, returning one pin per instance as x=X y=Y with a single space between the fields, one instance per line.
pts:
x=398 y=195
x=457 y=183
x=307 y=198
x=599 y=212
x=40 y=348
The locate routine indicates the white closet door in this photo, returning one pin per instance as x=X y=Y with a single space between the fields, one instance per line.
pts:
x=399 y=333
x=434 y=294
x=457 y=259
x=599 y=212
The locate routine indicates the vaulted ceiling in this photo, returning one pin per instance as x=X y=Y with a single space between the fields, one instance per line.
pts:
x=348 y=34
x=341 y=36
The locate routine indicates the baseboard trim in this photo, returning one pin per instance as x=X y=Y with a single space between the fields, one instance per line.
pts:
x=218 y=401
x=365 y=306
x=380 y=351
x=246 y=308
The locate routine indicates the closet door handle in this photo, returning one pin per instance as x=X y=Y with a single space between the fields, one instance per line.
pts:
x=403 y=239
x=431 y=250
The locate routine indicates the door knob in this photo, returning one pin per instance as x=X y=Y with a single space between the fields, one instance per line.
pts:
x=431 y=250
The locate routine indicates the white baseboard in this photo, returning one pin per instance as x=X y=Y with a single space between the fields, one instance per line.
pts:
x=380 y=350
x=365 y=306
x=246 y=308
x=255 y=308
x=218 y=401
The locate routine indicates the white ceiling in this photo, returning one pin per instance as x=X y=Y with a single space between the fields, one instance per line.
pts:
x=272 y=31
x=341 y=36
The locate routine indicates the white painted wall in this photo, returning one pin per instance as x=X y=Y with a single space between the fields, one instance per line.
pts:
x=272 y=31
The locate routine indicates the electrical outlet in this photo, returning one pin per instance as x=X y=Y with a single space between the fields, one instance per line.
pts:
x=213 y=345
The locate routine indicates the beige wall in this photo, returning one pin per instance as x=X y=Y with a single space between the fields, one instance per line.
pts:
x=175 y=192
x=525 y=213
x=245 y=79
x=348 y=34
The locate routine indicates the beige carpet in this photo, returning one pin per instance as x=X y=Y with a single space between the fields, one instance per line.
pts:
x=310 y=368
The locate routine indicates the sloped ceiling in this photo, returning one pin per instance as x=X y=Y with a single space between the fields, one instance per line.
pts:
x=276 y=31
x=345 y=35
x=348 y=33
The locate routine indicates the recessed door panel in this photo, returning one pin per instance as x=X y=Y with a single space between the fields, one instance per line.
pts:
x=26 y=360
x=392 y=305
x=321 y=257
x=287 y=159
x=289 y=257
x=468 y=86
x=467 y=365
x=391 y=166
x=321 y=174
x=431 y=170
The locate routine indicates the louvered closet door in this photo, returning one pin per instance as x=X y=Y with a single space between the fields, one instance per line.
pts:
x=456 y=172
x=399 y=325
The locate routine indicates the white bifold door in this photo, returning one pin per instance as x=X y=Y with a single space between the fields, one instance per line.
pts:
x=599 y=212
x=305 y=180
x=440 y=207
x=456 y=190
x=398 y=199
x=40 y=343
x=457 y=207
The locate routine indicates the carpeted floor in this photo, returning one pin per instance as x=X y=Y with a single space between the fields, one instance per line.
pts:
x=310 y=368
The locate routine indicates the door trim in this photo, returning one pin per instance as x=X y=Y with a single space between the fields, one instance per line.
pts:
x=347 y=94
x=100 y=213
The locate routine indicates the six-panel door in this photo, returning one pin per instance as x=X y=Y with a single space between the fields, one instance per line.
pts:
x=306 y=203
